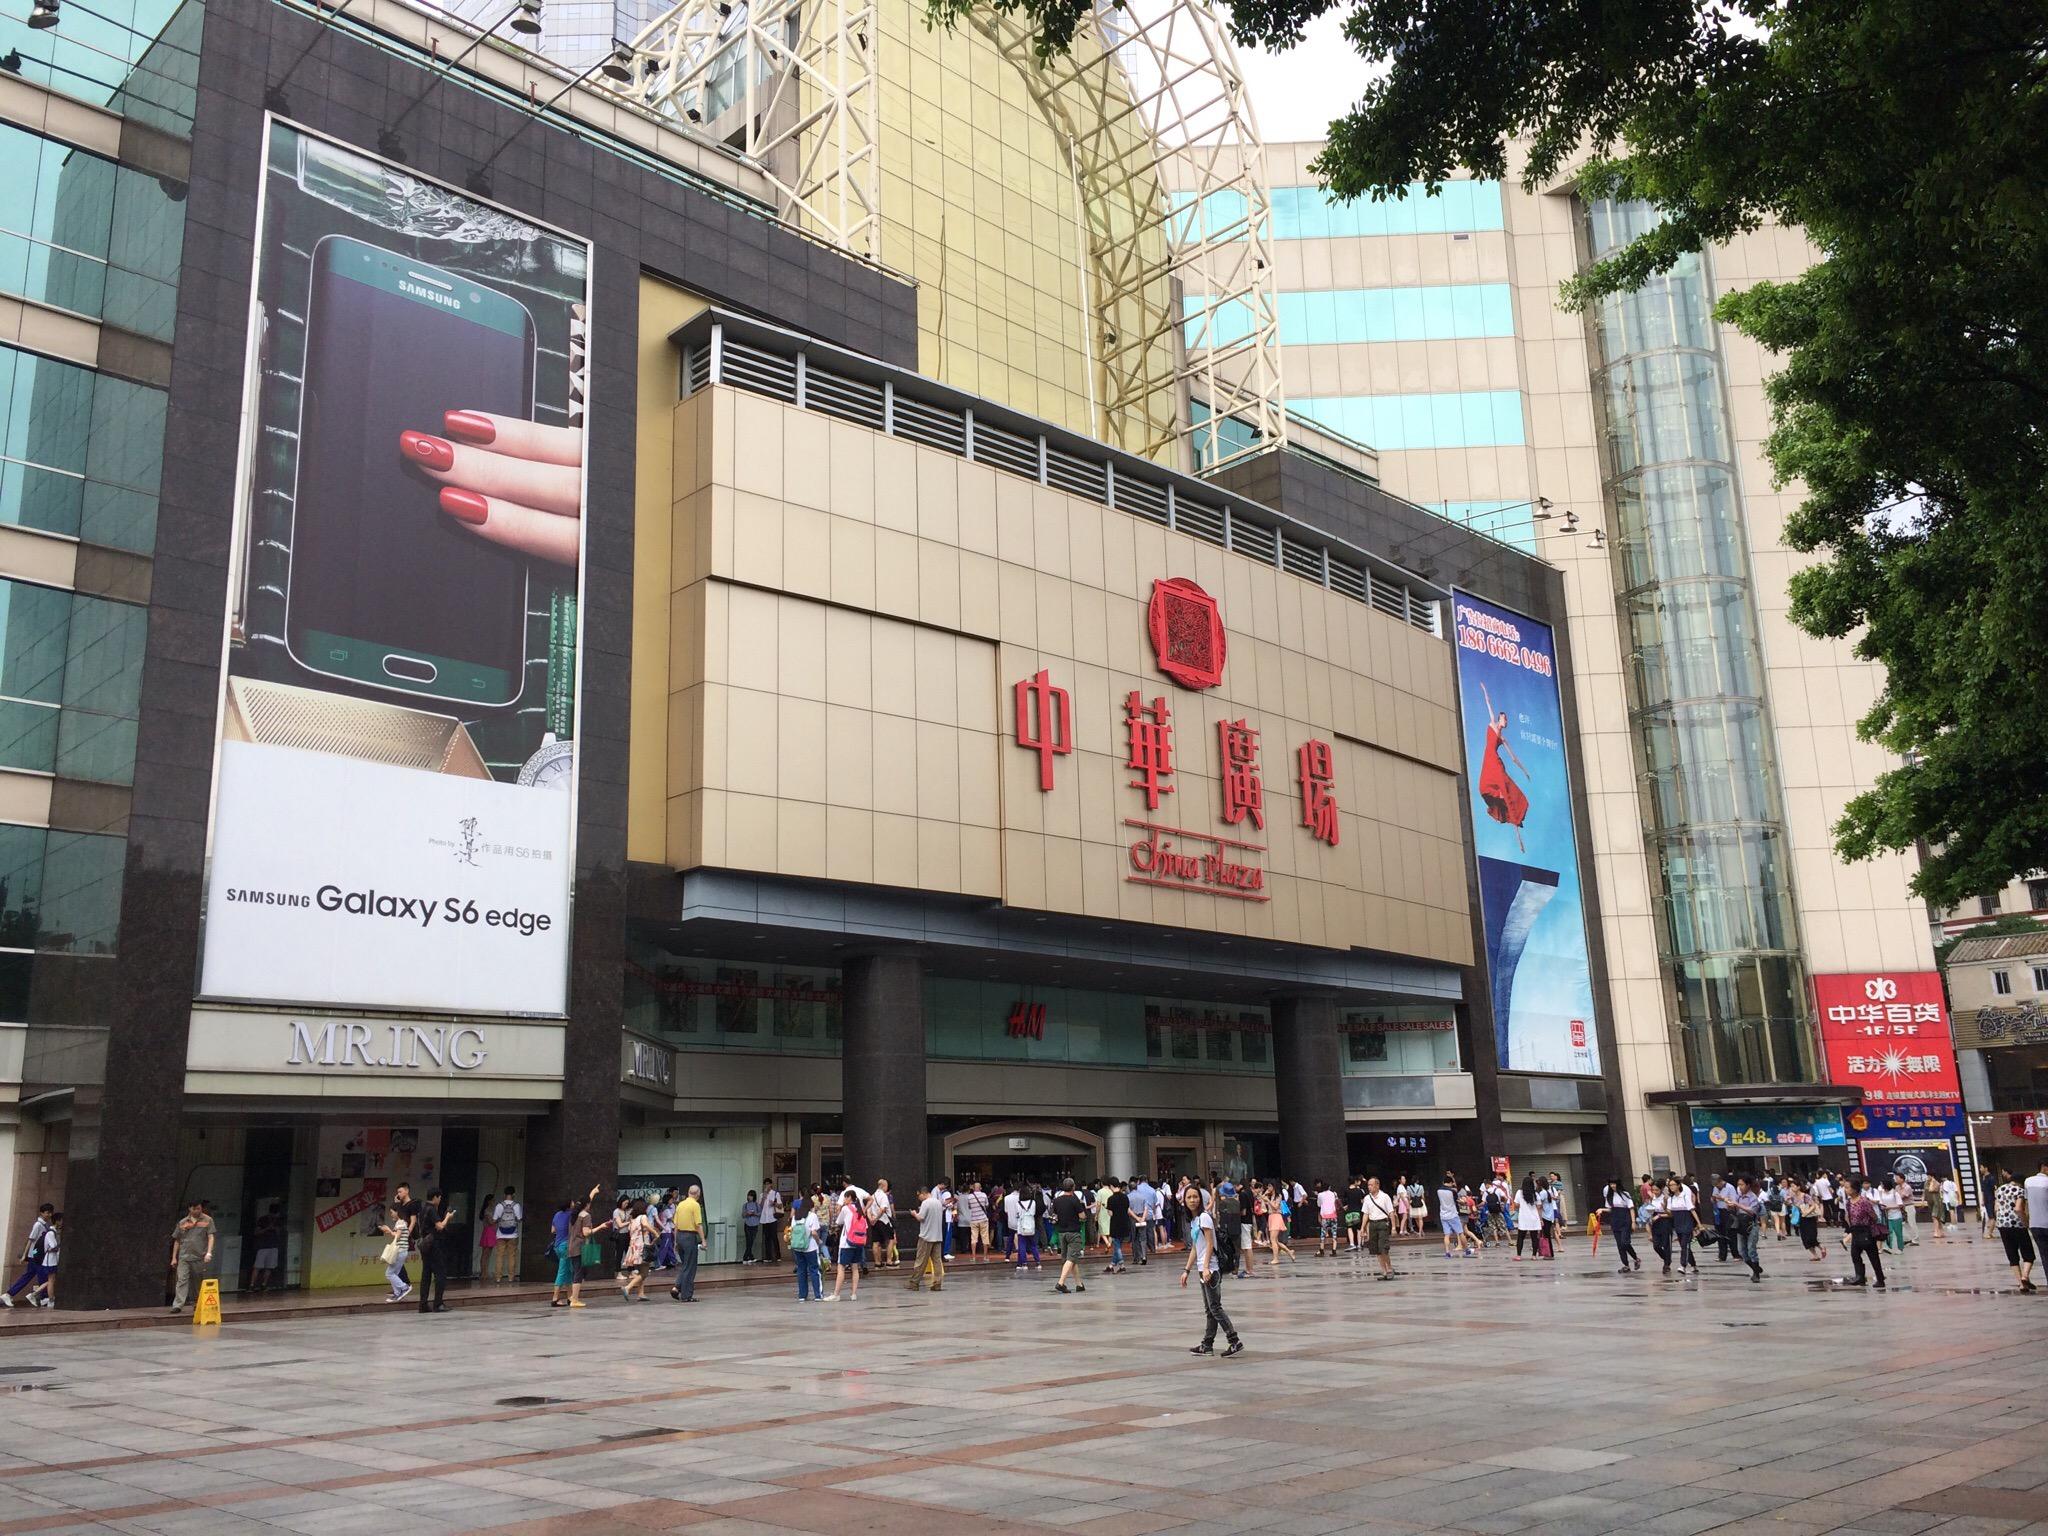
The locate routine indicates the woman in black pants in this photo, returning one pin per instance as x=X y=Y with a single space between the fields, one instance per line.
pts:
x=1621 y=1223
x=1678 y=1200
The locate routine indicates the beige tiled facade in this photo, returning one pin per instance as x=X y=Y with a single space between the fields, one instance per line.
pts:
x=1859 y=917
x=848 y=615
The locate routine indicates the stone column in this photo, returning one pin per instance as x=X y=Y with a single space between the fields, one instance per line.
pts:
x=1308 y=1090
x=882 y=1072
x=1120 y=1149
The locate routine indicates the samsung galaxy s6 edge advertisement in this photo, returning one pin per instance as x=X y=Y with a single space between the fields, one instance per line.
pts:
x=394 y=795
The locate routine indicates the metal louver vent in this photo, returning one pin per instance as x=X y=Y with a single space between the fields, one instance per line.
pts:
x=1078 y=475
x=1304 y=560
x=1389 y=599
x=1252 y=541
x=932 y=425
x=762 y=372
x=1004 y=449
x=834 y=394
x=1191 y=517
x=1141 y=498
x=696 y=368
x=1347 y=578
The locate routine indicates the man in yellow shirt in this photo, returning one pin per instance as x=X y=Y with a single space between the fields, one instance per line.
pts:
x=689 y=1240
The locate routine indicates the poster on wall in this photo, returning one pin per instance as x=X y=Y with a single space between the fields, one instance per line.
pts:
x=1512 y=722
x=356 y=1178
x=394 y=793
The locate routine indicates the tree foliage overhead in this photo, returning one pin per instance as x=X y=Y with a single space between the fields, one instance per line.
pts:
x=1909 y=140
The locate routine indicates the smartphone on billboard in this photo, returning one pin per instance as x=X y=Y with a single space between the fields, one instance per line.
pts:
x=386 y=590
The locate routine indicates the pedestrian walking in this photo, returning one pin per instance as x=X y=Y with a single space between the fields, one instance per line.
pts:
x=641 y=1236
x=1024 y=1220
x=1069 y=1220
x=1619 y=1222
x=689 y=1243
x=191 y=1251
x=1378 y=1209
x=430 y=1239
x=1866 y=1222
x=1806 y=1207
x=1121 y=1227
x=1456 y=1238
x=931 y=1240
x=397 y=1229
x=42 y=1291
x=2035 y=1189
x=1891 y=1194
x=1656 y=1211
x=571 y=1253
x=803 y=1248
x=852 y=1257
x=1277 y=1212
x=1328 y=1207
x=1746 y=1220
x=31 y=1256
x=1683 y=1205
x=1205 y=1262
x=2009 y=1211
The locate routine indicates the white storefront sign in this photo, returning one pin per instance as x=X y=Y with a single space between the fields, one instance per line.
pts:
x=286 y=1049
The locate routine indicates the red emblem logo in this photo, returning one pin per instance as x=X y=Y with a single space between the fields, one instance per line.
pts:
x=1187 y=633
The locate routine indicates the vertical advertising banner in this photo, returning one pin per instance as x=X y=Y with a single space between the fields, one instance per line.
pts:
x=1535 y=924
x=394 y=795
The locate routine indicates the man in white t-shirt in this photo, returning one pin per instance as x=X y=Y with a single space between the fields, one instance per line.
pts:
x=1456 y=1238
x=1011 y=1214
x=1376 y=1210
x=506 y=1213
x=1208 y=1268
x=2037 y=1203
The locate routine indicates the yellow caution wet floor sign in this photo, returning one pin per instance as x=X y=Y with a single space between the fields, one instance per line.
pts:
x=208 y=1310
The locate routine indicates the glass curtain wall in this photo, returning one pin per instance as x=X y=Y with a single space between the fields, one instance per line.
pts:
x=1701 y=724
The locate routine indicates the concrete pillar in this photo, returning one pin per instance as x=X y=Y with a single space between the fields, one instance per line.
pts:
x=882 y=1072
x=1120 y=1147
x=1308 y=1090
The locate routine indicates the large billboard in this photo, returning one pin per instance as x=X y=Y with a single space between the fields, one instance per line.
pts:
x=394 y=790
x=1535 y=924
x=1887 y=1032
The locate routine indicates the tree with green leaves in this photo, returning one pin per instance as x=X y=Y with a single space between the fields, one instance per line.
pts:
x=1909 y=140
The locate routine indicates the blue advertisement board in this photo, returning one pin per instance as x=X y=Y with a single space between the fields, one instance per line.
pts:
x=1528 y=856
x=1930 y=1120
x=1751 y=1128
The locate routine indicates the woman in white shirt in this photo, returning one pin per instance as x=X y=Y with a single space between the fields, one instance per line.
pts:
x=1683 y=1205
x=1621 y=1225
x=1528 y=1219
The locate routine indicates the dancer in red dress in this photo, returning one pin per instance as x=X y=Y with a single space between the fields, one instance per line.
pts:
x=1505 y=800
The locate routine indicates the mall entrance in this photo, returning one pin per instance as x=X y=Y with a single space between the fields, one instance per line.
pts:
x=1020 y=1150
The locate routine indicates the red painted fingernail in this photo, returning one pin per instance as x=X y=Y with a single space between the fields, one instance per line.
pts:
x=467 y=505
x=470 y=426
x=429 y=452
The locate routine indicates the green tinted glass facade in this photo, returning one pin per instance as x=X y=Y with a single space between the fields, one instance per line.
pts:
x=1715 y=817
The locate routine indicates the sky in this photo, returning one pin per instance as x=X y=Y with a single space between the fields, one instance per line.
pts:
x=1295 y=94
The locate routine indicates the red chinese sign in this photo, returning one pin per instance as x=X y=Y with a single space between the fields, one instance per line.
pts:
x=1045 y=723
x=1148 y=739
x=1888 y=1034
x=1244 y=792
x=1027 y=1021
x=1187 y=633
x=1317 y=774
x=350 y=1208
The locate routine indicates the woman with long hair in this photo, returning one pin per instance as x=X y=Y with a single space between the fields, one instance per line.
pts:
x=1030 y=1218
x=1276 y=1226
x=1528 y=1220
x=1506 y=801
x=1618 y=1221
x=641 y=1236
x=1808 y=1205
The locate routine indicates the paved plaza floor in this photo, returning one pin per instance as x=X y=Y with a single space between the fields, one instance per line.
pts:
x=1473 y=1395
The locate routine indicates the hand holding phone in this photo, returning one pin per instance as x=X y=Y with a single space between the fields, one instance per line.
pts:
x=514 y=482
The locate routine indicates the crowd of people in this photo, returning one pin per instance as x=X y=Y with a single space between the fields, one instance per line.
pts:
x=1220 y=1227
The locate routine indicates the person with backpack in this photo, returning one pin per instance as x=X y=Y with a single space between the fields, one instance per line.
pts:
x=31 y=1257
x=1028 y=1211
x=1866 y=1223
x=501 y=1226
x=803 y=1247
x=1205 y=1261
x=853 y=1240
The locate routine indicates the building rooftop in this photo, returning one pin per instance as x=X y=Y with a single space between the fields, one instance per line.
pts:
x=2005 y=946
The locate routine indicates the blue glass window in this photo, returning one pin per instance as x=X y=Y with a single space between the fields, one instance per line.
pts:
x=80 y=452
x=1451 y=312
x=1478 y=419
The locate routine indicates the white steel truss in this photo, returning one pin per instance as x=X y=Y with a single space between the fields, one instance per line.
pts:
x=791 y=86
x=1168 y=167
x=1172 y=178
